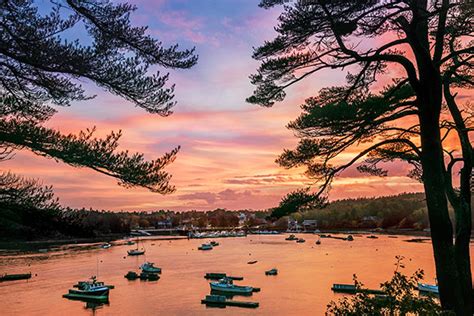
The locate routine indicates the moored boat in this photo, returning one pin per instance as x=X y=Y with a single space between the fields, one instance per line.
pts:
x=135 y=252
x=205 y=247
x=149 y=267
x=227 y=285
x=105 y=246
x=300 y=240
x=273 y=271
x=428 y=288
x=92 y=289
x=291 y=237
x=131 y=275
x=214 y=243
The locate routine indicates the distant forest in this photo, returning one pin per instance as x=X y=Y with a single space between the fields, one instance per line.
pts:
x=30 y=211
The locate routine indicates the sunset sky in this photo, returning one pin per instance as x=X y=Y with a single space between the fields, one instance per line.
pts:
x=228 y=146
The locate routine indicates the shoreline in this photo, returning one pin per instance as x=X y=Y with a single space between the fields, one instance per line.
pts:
x=44 y=246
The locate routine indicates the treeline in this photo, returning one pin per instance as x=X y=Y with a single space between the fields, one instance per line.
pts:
x=29 y=211
x=406 y=210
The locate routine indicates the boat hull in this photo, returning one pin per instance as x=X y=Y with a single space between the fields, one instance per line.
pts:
x=231 y=289
x=103 y=291
x=135 y=253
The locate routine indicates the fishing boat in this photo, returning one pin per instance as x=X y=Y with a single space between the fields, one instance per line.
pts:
x=291 y=237
x=13 y=277
x=205 y=247
x=349 y=238
x=318 y=242
x=90 y=290
x=273 y=271
x=227 y=285
x=428 y=288
x=214 y=243
x=372 y=237
x=252 y=262
x=149 y=267
x=300 y=240
x=136 y=251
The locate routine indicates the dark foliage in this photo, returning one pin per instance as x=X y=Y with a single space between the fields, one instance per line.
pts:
x=42 y=66
x=411 y=119
x=399 y=298
x=296 y=201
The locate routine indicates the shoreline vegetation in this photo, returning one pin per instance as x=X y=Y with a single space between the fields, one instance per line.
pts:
x=403 y=214
x=46 y=221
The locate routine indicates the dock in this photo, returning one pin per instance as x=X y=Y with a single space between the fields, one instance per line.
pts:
x=219 y=300
x=352 y=289
x=218 y=276
x=14 y=277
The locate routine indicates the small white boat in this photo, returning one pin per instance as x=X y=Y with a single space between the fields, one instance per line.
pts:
x=226 y=285
x=205 y=247
x=428 y=288
x=149 y=267
x=136 y=251
x=106 y=246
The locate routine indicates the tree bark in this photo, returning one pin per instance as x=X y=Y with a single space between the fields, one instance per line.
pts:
x=429 y=97
x=462 y=203
x=451 y=294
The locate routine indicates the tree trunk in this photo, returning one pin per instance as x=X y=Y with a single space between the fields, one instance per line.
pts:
x=441 y=227
x=462 y=203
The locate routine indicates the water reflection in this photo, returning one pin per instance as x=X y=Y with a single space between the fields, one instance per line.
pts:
x=302 y=287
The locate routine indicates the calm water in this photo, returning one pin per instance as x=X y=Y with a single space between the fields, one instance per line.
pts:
x=302 y=287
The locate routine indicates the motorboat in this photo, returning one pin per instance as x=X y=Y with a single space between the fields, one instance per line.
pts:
x=205 y=247
x=90 y=289
x=227 y=285
x=148 y=267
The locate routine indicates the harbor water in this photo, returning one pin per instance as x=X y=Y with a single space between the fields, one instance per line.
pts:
x=306 y=272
